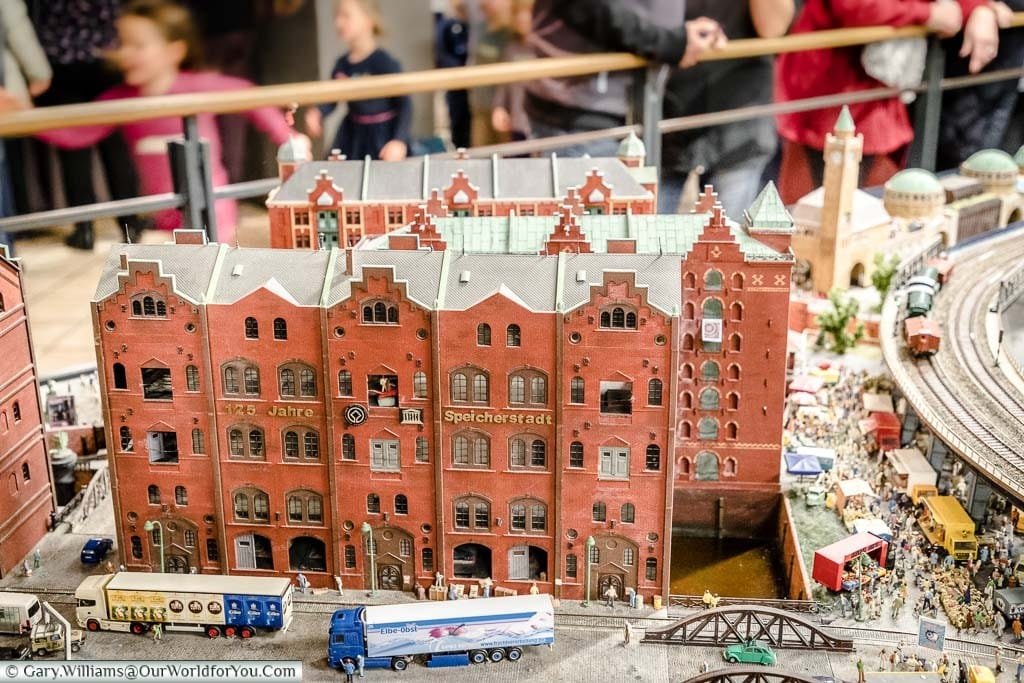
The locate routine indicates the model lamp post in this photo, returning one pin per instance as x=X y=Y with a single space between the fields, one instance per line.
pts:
x=371 y=553
x=590 y=546
x=149 y=526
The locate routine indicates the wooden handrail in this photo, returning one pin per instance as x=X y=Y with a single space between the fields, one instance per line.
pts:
x=125 y=111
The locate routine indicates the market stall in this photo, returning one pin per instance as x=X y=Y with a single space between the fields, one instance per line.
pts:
x=836 y=566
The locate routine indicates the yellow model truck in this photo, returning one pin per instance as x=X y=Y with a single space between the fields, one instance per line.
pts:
x=945 y=524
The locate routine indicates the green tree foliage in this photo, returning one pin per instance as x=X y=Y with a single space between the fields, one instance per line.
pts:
x=835 y=323
x=885 y=269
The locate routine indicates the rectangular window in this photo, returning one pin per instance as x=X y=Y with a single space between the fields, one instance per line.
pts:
x=651 y=569
x=353 y=217
x=519 y=517
x=350 y=557
x=156 y=384
x=570 y=566
x=538 y=518
x=482 y=517
x=302 y=239
x=462 y=516
x=576 y=455
x=212 y=551
x=301 y=217
x=395 y=215
x=617 y=398
x=422 y=449
x=428 y=559
x=613 y=463
x=384 y=456
x=162 y=446
x=315 y=510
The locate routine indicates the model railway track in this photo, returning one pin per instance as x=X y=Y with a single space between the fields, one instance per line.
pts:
x=987 y=416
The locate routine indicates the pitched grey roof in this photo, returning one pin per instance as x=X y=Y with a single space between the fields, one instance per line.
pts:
x=291 y=273
x=659 y=274
x=420 y=270
x=530 y=280
x=541 y=178
x=190 y=265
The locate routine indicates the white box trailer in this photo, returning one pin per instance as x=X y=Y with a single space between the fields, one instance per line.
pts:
x=214 y=604
x=911 y=469
x=446 y=633
x=19 y=612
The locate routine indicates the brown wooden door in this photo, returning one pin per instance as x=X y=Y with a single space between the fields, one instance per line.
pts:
x=389 y=577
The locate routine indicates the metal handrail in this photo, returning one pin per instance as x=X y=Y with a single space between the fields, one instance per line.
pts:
x=114 y=112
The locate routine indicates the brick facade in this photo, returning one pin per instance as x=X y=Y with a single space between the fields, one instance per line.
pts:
x=484 y=410
x=27 y=495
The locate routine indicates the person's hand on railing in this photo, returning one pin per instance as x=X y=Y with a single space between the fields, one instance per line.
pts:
x=394 y=150
x=37 y=88
x=702 y=35
x=981 y=36
x=9 y=102
x=314 y=121
x=501 y=120
x=945 y=18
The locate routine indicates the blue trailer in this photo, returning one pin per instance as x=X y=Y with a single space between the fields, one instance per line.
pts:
x=445 y=633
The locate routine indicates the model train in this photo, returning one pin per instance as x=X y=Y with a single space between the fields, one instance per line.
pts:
x=922 y=333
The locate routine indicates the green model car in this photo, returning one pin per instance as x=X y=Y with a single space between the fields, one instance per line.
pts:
x=751 y=652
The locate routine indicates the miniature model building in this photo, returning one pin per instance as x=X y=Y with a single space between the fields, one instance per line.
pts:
x=840 y=228
x=485 y=392
x=336 y=202
x=27 y=499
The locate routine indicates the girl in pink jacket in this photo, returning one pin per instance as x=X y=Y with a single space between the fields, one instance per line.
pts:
x=157 y=44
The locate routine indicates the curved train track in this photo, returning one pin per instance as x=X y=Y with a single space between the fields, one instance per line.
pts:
x=963 y=390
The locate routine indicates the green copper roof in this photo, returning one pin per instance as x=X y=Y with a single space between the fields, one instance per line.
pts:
x=990 y=161
x=844 y=124
x=1019 y=157
x=632 y=146
x=654 y=234
x=915 y=181
x=768 y=212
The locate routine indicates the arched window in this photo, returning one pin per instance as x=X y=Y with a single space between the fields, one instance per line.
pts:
x=148 y=306
x=307 y=382
x=652 y=460
x=735 y=342
x=630 y=320
x=198 y=442
x=348 y=447
x=513 y=336
x=627 y=514
x=460 y=387
x=599 y=512
x=311 y=445
x=709 y=371
x=136 y=307
x=576 y=454
x=472 y=512
x=731 y=430
x=120 y=376
x=707 y=428
x=687 y=342
x=734 y=401
x=480 y=389
x=706 y=466
x=684 y=467
x=372 y=503
x=687 y=371
x=380 y=313
x=287 y=380
x=528 y=515
x=230 y=380
x=241 y=505
x=713 y=281
x=291 y=444
x=483 y=334
x=191 y=378
x=528 y=386
x=618 y=318
x=235 y=444
x=686 y=430
x=709 y=399
x=737 y=280
x=280 y=328
x=256 y=443
x=241 y=437
x=471 y=449
x=686 y=400
x=712 y=309
x=344 y=383
x=180 y=495
x=606 y=319
x=688 y=311
x=654 y=393
x=730 y=467
x=736 y=311
x=689 y=280
x=577 y=390
x=419 y=385
x=538 y=390
x=127 y=445
x=516 y=389
x=251 y=377
x=161 y=309
x=538 y=453
x=154 y=494
x=734 y=371
x=517 y=452
x=401 y=504
x=260 y=507
x=252 y=328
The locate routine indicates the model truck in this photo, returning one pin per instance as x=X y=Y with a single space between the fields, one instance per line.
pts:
x=19 y=612
x=448 y=633
x=215 y=605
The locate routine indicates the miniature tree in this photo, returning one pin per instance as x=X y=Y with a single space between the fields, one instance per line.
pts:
x=881 y=277
x=835 y=323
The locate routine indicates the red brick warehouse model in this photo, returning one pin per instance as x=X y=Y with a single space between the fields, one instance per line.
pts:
x=27 y=498
x=343 y=200
x=485 y=392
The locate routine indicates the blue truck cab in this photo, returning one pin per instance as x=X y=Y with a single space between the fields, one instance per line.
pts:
x=347 y=640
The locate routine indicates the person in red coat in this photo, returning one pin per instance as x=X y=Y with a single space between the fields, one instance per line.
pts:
x=884 y=123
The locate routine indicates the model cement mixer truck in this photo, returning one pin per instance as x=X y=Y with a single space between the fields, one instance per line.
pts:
x=449 y=633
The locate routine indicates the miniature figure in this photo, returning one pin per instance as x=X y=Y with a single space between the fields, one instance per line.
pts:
x=610 y=596
x=421 y=592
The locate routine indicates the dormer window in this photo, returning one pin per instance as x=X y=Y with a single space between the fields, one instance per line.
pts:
x=618 y=318
x=380 y=313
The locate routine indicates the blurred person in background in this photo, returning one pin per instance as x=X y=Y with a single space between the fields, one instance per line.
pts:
x=74 y=34
x=157 y=50
x=378 y=128
x=490 y=37
x=451 y=49
x=508 y=115
x=654 y=29
x=24 y=73
x=885 y=124
x=732 y=156
x=979 y=117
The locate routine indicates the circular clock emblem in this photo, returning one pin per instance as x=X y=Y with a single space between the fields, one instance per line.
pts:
x=355 y=414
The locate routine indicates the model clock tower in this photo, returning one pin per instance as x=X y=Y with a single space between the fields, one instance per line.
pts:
x=843 y=151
